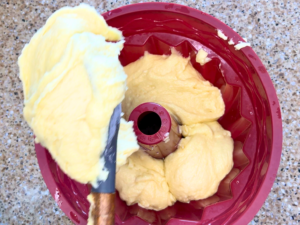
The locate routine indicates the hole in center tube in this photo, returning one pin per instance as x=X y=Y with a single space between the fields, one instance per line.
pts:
x=149 y=123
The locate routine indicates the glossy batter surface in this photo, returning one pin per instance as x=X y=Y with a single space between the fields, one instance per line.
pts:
x=142 y=180
x=202 y=160
x=204 y=156
x=172 y=82
x=72 y=81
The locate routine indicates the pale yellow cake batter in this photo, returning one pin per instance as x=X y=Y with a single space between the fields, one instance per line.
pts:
x=172 y=82
x=127 y=143
x=204 y=156
x=72 y=81
x=203 y=159
x=142 y=180
x=201 y=57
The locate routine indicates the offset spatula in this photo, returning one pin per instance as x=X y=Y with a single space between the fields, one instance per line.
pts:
x=104 y=194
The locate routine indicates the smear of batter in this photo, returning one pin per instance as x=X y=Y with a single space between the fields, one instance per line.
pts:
x=201 y=57
x=231 y=42
x=241 y=45
x=222 y=35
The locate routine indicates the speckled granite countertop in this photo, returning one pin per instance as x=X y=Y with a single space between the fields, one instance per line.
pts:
x=272 y=27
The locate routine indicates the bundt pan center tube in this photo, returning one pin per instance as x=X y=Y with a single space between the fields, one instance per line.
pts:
x=157 y=132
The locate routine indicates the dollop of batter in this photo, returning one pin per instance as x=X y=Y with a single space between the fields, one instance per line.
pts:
x=172 y=82
x=72 y=81
x=202 y=160
x=204 y=155
x=142 y=180
x=201 y=57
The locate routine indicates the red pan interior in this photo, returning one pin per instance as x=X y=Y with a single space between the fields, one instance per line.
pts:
x=252 y=115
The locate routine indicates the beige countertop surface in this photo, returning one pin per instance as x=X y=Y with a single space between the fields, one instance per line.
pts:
x=272 y=28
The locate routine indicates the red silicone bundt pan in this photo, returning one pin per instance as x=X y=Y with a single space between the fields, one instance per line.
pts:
x=252 y=115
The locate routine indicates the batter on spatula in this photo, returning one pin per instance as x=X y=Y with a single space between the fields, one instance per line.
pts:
x=72 y=81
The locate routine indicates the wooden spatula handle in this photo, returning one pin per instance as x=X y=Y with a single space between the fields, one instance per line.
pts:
x=103 y=211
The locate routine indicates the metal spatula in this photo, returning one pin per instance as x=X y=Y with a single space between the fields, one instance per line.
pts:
x=104 y=194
